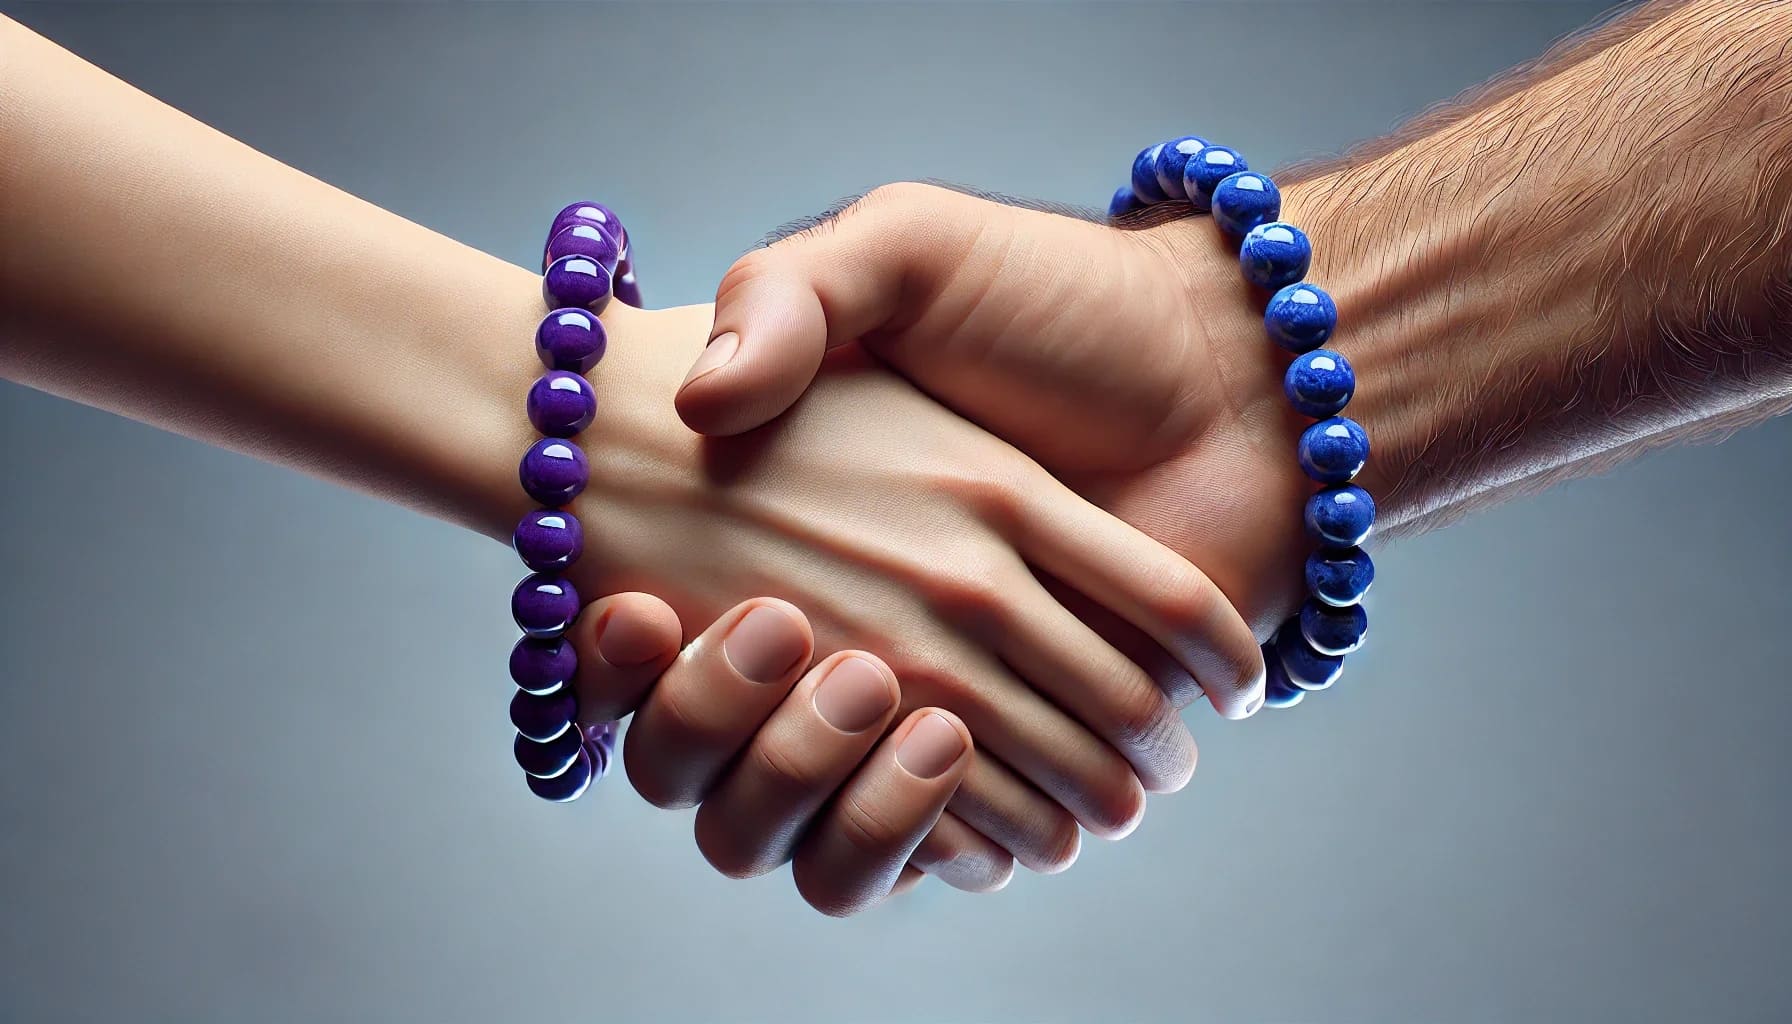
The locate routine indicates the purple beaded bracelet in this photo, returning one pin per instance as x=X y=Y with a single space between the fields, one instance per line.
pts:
x=1306 y=654
x=584 y=263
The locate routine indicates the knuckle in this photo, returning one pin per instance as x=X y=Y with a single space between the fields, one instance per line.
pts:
x=867 y=829
x=791 y=781
x=974 y=588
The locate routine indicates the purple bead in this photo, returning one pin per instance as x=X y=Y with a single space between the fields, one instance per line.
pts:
x=1339 y=577
x=561 y=404
x=590 y=213
x=1275 y=254
x=570 y=339
x=544 y=605
x=1300 y=317
x=628 y=290
x=1340 y=517
x=1172 y=159
x=1123 y=202
x=567 y=786
x=553 y=471
x=1279 y=691
x=601 y=734
x=546 y=760
x=577 y=281
x=1333 y=451
x=548 y=539
x=1319 y=383
x=586 y=240
x=1206 y=169
x=543 y=716
x=1144 y=175
x=542 y=665
x=1243 y=201
x=1307 y=668
x=1335 y=631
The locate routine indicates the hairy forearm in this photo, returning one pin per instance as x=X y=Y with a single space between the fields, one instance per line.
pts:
x=1590 y=260
x=154 y=267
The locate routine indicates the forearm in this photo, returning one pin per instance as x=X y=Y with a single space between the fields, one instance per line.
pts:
x=1582 y=267
x=154 y=267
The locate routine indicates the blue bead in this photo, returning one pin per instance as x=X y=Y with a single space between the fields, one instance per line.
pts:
x=1307 y=668
x=546 y=760
x=1144 y=175
x=1243 y=201
x=1329 y=630
x=1123 y=203
x=1340 y=517
x=1339 y=577
x=1300 y=317
x=1206 y=169
x=1319 y=384
x=1333 y=451
x=567 y=786
x=1170 y=163
x=542 y=665
x=1275 y=254
x=1279 y=691
x=543 y=716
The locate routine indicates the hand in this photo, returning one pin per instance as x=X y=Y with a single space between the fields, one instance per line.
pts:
x=901 y=529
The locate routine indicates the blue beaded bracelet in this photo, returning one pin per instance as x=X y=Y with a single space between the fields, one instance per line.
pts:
x=1306 y=654
x=585 y=263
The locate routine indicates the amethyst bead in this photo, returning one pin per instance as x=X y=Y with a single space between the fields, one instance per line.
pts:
x=1275 y=254
x=577 y=281
x=1206 y=169
x=548 y=539
x=1307 y=668
x=544 y=605
x=1333 y=451
x=553 y=471
x=561 y=404
x=1339 y=577
x=546 y=760
x=543 y=716
x=1335 y=631
x=627 y=289
x=1319 y=384
x=1340 y=517
x=1123 y=203
x=1300 y=317
x=1144 y=175
x=1243 y=201
x=590 y=213
x=542 y=665
x=586 y=240
x=571 y=339
x=1172 y=160
x=1279 y=691
x=567 y=786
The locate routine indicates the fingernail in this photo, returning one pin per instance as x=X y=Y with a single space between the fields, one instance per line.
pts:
x=930 y=748
x=764 y=645
x=853 y=695
x=721 y=349
x=625 y=642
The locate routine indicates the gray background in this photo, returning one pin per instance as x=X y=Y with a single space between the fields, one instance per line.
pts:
x=253 y=755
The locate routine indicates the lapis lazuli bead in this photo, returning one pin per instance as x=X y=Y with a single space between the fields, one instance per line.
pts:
x=1275 y=254
x=1307 y=668
x=561 y=404
x=1172 y=159
x=1279 y=691
x=1340 y=517
x=548 y=539
x=1333 y=450
x=577 y=281
x=544 y=605
x=1144 y=175
x=586 y=240
x=1243 y=201
x=543 y=716
x=1319 y=383
x=1123 y=203
x=1300 y=317
x=1339 y=576
x=590 y=213
x=546 y=760
x=567 y=786
x=571 y=339
x=626 y=289
x=553 y=471
x=1206 y=169
x=1330 y=630
x=542 y=665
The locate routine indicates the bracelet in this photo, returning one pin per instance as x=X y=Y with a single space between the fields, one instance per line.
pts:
x=584 y=263
x=1306 y=654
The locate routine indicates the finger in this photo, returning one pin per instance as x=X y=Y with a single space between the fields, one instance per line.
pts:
x=780 y=308
x=751 y=821
x=713 y=698
x=906 y=881
x=623 y=643
x=855 y=854
x=1031 y=826
x=962 y=857
x=1148 y=585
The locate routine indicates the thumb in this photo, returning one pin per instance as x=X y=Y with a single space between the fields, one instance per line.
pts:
x=779 y=309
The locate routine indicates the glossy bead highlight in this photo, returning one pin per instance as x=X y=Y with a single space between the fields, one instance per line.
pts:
x=546 y=760
x=553 y=471
x=573 y=340
x=1307 y=668
x=1300 y=317
x=543 y=716
x=1206 y=169
x=586 y=240
x=548 y=539
x=1172 y=160
x=1339 y=576
x=576 y=281
x=1144 y=175
x=1333 y=450
x=1275 y=254
x=1340 y=517
x=1334 y=631
x=568 y=785
x=542 y=665
x=1279 y=691
x=1319 y=383
x=544 y=605
x=561 y=404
